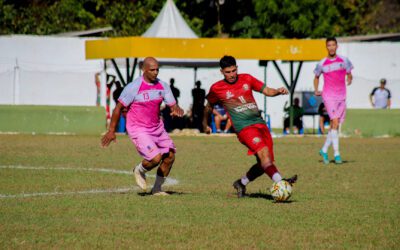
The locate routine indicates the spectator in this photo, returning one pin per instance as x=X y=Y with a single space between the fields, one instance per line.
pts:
x=117 y=92
x=297 y=117
x=199 y=96
x=220 y=115
x=380 y=96
x=188 y=118
x=323 y=117
x=176 y=122
x=175 y=91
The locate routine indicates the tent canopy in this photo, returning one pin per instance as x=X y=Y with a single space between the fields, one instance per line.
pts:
x=207 y=48
x=170 y=24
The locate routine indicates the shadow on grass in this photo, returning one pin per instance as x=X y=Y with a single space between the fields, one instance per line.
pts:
x=168 y=192
x=333 y=162
x=260 y=195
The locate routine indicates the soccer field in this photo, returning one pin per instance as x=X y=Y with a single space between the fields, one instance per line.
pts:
x=68 y=192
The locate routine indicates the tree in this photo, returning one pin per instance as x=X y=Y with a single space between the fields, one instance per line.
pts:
x=238 y=18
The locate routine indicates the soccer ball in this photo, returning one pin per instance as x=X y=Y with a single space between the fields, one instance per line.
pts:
x=281 y=190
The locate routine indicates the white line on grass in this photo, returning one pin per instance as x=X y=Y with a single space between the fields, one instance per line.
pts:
x=169 y=182
x=90 y=191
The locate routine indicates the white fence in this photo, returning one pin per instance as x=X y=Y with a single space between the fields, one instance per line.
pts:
x=53 y=71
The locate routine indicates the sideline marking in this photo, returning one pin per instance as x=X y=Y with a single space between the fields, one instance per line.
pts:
x=168 y=182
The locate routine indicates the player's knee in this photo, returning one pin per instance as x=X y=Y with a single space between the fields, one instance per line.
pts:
x=169 y=157
x=335 y=124
x=156 y=160
x=264 y=157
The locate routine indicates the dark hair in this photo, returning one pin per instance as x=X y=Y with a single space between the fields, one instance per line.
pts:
x=331 y=39
x=227 y=61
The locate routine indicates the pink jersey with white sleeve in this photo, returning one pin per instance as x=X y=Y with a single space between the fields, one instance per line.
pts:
x=334 y=71
x=143 y=100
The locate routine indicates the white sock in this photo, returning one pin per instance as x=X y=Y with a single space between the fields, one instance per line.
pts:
x=159 y=181
x=141 y=168
x=335 y=141
x=328 y=142
x=276 y=177
x=244 y=180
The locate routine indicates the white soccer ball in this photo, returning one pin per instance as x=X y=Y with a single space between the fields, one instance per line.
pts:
x=281 y=190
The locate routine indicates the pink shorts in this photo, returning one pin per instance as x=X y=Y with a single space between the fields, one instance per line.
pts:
x=336 y=109
x=151 y=143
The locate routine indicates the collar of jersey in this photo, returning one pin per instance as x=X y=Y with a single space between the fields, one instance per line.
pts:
x=149 y=83
x=237 y=78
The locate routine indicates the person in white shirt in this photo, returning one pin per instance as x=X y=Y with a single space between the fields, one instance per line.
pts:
x=380 y=96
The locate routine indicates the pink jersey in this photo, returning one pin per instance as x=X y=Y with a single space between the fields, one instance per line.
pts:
x=143 y=100
x=334 y=71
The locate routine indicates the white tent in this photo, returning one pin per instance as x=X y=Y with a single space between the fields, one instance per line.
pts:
x=170 y=24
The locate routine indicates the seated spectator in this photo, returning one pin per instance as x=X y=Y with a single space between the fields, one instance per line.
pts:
x=297 y=117
x=187 y=118
x=323 y=117
x=220 y=115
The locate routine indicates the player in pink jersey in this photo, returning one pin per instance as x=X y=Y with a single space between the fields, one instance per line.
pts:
x=143 y=98
x=335 y=69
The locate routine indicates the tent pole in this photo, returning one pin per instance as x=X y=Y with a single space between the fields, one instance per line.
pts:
x=118 y=72
x=265 y=98
x=127 y=70
x=133 y=70
x=291 y=91
x=195 y=75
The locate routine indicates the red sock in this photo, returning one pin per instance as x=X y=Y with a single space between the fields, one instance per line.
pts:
x=270 y=170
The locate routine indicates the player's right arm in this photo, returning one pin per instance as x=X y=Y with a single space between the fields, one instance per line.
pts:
x=110 y=135
x=316 y=84
x=317 y=71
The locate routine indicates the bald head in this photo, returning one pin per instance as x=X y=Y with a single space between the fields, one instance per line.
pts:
x=148 y=61
x=150 y=69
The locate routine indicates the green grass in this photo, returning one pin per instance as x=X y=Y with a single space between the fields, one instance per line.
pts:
x=52 y=119
x=372 y=122
x=355 y=205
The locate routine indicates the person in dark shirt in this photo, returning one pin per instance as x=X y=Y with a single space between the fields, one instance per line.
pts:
x=175 y=90
x=323 y=117
x=297 y=117
x=199 y=96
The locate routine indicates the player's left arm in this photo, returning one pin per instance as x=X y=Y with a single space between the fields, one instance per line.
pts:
x=261 y=87
x=349 y=67
x=169 y=99
x=274 y=92
x=176 y=110
x=349 y=78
